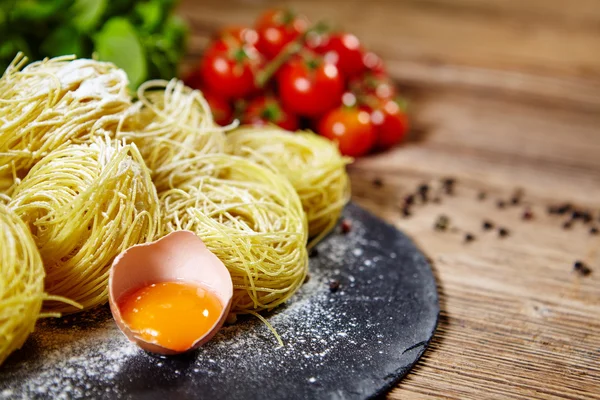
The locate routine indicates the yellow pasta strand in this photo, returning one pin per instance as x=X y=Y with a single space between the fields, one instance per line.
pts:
x=21 y=283
x=51 y=102
x=170 y=124
x=312 y=163
x=248 y=216
x=84 y=204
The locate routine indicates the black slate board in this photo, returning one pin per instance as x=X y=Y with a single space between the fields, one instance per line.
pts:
x=354 y=343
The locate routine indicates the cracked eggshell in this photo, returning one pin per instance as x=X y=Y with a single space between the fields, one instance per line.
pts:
x=179 y=256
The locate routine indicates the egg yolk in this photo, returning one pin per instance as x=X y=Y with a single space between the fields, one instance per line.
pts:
x=171 y=314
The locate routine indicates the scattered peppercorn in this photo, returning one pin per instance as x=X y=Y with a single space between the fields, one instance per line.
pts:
x=406 y=212
x=516 y=197
x=501 y=204
x=346 y=226
x=442 y=223
x=377 y=182
x=448 y=185
x=581 y=268
x=585 y=216
x=314 y=252
x=307 y=278
x=560 y=209
x=527 y=214
x=568 y=224
x=482 y=196
x=469 y=237
x=503 y=232
x=424 y=192
x=487 y=225
x=594 y=230
x=334 y=285
x=409 y=200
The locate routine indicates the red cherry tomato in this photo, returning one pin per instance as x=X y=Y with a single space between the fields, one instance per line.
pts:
x=379 y=86
x=345 y=51
x=309 y=86
x=391 y=124
x=277 y=28
x=373 y=63
x=351 y=128
x=241 y=34
x=265 y=110
x=228 y=70
x=221 y=109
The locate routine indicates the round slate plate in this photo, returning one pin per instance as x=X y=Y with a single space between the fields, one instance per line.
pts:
x=353 y=343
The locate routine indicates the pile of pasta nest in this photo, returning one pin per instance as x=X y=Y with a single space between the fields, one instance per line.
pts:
x=86 y=171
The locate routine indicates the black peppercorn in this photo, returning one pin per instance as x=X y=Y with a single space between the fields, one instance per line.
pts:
x=423 y=191
x=503 y=232
x=334 y=285
x=448 y=185
x=581 y=268
x=527 y=214
x=406 y=212
x=469 y=237
x=442 y=223
x=516 y=197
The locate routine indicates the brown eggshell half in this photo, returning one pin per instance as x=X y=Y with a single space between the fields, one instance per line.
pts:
x=179 y=256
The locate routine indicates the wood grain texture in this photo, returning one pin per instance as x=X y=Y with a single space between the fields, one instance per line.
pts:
x=504 y=94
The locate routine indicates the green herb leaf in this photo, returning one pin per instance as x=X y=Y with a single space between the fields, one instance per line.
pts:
x=150 y=15
x=38 y=10
x=63 y=40
x=88 y=13
x=118 y=42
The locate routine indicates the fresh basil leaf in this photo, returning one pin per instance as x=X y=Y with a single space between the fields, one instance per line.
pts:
x=118 y=42
x=149 y=14
x=38 y=10
x=88 y=13
x=63 y=40
x=119 y=7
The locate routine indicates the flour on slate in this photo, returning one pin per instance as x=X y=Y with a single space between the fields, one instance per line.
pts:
x=80 y=356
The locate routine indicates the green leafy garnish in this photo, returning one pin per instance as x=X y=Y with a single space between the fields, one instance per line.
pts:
x=118 y=42
x=142 y=37
x=88 y=13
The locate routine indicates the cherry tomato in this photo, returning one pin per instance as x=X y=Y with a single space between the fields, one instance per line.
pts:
x=221 y=109
x=228 y=69
x=379 y=86
x=391 y=124
x=351 y=128
x=373 y=63
x=277 y=28
x=265 y=110
x=243 y=35
x=309 y=86
x=345 y=51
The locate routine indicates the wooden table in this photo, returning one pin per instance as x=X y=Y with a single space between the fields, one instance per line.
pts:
x=505 y=95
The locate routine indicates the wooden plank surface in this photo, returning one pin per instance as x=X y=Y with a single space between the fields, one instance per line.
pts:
x=504 y=95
